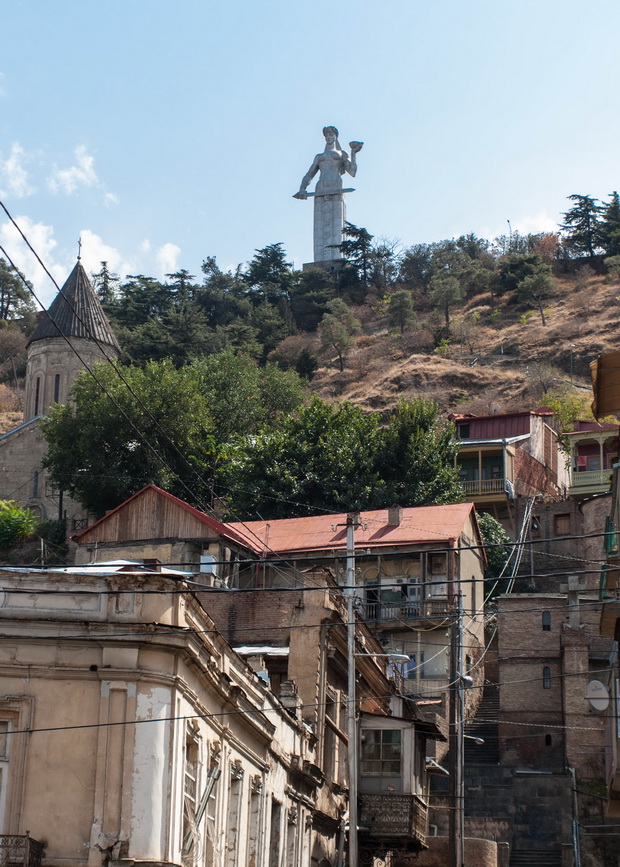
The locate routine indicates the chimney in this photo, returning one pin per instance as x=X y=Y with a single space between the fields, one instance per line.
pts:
x=395 y=516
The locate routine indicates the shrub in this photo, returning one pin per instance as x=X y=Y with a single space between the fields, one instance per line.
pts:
x=16 y=523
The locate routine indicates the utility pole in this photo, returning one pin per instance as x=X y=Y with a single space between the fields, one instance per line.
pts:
x=353 y=521
x=456 y=740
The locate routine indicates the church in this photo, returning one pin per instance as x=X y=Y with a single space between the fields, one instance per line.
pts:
x=73 y=334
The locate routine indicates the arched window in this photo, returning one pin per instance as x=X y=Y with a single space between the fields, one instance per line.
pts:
x=35 y=484
x=56 y=387
x=546 y=621
x=37 y=395
x=546 y=677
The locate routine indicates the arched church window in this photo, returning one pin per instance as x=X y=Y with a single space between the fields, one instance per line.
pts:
x=37 y=395
x=56 y=387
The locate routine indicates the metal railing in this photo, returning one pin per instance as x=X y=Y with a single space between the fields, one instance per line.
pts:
x=484 y=486
x=20 y=851
x=393 y=816
x=407 y=610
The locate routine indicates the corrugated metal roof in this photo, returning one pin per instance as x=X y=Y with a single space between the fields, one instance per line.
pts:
x=326 y=532
x=76 y=312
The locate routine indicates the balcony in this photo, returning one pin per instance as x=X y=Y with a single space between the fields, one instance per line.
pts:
x=484 y=486
x=589 y=482
x=427 y=609
x=395 y=820
x=20 y=851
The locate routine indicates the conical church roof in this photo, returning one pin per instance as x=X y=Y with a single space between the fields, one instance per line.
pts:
x=76 y=312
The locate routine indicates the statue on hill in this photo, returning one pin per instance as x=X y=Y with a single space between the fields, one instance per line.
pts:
x=329 y=208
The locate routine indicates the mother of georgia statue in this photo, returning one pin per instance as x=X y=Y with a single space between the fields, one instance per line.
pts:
x=329 y=210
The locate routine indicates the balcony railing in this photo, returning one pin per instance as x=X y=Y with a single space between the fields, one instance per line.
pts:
x=391 y=818
x=588 y=478
x=20 y=851
x=479 y=487
x=427 y=609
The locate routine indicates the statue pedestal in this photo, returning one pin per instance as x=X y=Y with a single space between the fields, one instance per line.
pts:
x=332 y=266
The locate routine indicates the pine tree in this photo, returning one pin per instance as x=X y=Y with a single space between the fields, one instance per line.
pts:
x=609 y=230
x=581 y=226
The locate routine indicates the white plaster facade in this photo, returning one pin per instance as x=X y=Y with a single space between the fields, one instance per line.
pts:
x=122 y=703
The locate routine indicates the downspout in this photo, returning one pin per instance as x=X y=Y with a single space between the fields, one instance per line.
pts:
x=575 y=821
x=341 y=833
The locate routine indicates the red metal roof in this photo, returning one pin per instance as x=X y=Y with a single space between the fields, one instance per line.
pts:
x=327 y=532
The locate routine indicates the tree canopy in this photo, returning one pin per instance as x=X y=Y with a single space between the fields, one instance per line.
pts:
x=337 y=457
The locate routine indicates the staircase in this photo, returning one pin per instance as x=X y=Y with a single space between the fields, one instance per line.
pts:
x=484 y=726
x=536 y=858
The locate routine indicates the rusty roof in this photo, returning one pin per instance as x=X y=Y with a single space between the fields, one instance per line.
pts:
x=76 y=312
x=328 y=532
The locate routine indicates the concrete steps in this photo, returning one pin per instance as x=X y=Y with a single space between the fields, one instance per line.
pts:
x=484 y=726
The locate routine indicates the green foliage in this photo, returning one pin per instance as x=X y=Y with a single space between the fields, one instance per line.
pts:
x=537 y=288
x=356 y=248
x=16 y=302
x=336 y=457
x=242 y=397
x=336 y=329
x=306 y=364
x=581 y=226
x=497 y=544
x=114 y=441
x=400 y=310
x=105 y=284
x=311 y=293
x=16 y=523
x=269 y=275
x=446 y=291
x=609 y=227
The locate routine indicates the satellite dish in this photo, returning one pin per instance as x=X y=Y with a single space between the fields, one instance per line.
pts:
x=597 y=695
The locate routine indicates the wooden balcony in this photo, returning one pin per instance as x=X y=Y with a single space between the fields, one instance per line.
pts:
x=393 y=820
x=20 y=851
x=484 y=487
x=589 y=482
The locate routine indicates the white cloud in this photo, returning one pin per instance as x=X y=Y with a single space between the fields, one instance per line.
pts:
x=42 y=239
x=145 y=246
x=14 y=174
x=540 y=222
x=110 y=199
x=82 y=174
x=94 y=251
x=167 y=257
x=2 y=88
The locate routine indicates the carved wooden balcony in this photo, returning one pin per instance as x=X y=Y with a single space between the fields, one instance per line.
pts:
x=20 y=851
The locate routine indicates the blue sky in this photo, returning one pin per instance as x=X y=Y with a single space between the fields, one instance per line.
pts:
x=162 y=133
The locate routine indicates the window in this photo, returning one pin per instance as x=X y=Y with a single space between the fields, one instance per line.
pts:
x=546 y=677
x=37 y=395
x=190 y=788
x=35 y=484
x=561 y=525
x=381 y=752
x=546 y=621
x=56 y=387
x=463 y=431
x=548 y=741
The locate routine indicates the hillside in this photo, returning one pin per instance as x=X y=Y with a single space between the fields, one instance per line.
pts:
x=506 y=358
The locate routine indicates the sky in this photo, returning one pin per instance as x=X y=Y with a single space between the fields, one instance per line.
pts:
x=161 y=133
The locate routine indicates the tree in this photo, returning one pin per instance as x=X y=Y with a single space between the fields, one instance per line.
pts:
x=111 y=441
x=357 y=250
x=337 y=328
x=311 y=292
x=400 y=310
x=416 y=458
x=15 y=298
x=269 y=275
x=321 y=458
x=336 y=457
x=581 y=226
x=537 y=288
x=609 y=227
x=385 y=262
x=243 y=397
x=105 y=284
x=497 y=545
x=446 y=291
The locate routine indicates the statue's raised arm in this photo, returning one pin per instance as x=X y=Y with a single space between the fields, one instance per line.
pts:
x=330 y=165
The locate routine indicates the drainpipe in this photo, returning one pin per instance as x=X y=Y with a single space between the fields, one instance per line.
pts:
x=575 y=822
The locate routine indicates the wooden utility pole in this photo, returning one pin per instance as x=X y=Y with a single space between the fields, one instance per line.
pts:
x=456 y=740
